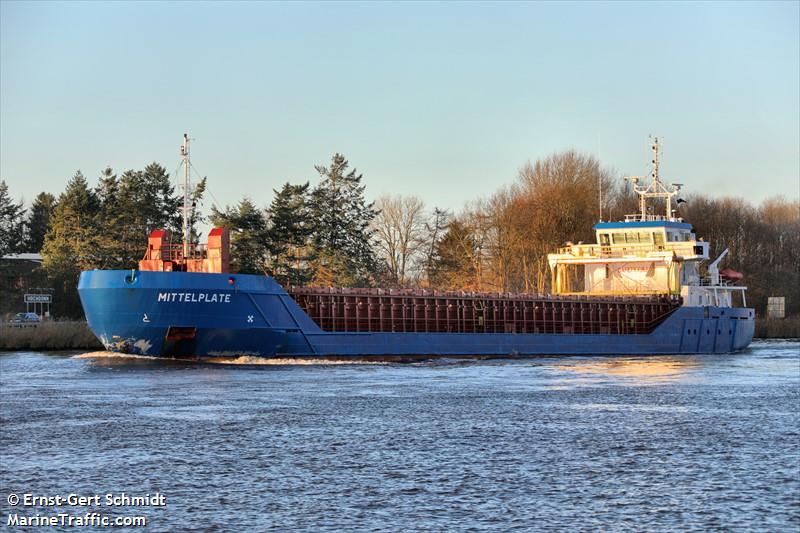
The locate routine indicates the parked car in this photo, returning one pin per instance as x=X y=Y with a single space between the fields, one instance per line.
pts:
x=25 y=319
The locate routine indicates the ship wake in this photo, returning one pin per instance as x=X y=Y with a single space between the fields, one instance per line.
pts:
x=256 y=360
x=229 y=360
x=103 y=354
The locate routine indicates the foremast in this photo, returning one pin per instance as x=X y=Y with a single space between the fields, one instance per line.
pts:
x=162 y=255
x=186 y=163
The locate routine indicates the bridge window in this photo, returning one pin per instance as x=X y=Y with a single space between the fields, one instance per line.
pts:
x=631 y=237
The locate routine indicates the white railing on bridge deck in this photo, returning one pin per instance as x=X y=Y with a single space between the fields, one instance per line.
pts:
x=638 y=217
x=681 y=248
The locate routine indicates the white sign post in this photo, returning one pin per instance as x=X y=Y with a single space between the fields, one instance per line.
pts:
x=40 y=302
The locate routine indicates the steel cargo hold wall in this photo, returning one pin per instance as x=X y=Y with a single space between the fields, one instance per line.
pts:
x=427 y=311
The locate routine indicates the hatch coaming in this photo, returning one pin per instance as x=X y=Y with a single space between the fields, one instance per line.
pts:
x=428 y=311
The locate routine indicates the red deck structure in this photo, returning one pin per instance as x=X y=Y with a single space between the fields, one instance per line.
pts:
x=164 y=255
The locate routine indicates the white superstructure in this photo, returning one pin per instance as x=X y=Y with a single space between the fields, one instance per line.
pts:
x=645 y=254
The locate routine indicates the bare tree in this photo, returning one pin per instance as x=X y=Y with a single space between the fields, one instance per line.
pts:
x=477 y=217
x=502 y=243
x=435 y=228
x=400 y=233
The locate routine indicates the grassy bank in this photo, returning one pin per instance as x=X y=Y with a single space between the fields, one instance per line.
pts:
x=778 y=328
x=49 y=336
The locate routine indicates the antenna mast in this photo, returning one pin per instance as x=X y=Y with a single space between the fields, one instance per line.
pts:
x=186 y=203
x=655 y=189
x=656 y=176
x=600 y=193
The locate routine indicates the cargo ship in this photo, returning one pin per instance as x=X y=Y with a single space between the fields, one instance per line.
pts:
x=638 y=290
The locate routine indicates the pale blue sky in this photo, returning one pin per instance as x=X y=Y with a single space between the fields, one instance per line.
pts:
x=445 y=100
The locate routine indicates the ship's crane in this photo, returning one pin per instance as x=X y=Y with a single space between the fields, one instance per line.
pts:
x=713 y=268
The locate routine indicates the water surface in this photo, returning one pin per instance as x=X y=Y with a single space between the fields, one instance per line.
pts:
x=661 y=443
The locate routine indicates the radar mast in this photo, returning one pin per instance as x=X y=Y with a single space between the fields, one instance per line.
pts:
x=656 y=189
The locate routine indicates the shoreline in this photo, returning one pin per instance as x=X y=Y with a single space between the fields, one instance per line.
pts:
x=778 y=328
x=76 y=335
x=49 y=336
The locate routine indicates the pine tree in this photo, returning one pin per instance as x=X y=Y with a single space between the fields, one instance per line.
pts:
x=196 y=216
x=107 y=189
x=130 y=220
x=248 y=235
x=436 y=228
x=71 y=242
x=146 y=201
x=452 y=262
x=38 y=221
x=109 y=222
x=162 y=206
x=11 y=223
x=342 y=237
x=290 y=228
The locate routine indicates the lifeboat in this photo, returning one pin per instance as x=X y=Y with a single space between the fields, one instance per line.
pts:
x=731 y=275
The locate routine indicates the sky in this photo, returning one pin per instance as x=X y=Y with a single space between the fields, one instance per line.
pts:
x=443 y=100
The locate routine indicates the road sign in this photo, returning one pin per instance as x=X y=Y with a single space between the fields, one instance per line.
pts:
x=38 y=299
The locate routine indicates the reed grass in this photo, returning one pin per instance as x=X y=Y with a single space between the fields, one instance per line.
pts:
x=778 y=328
x=49 y=335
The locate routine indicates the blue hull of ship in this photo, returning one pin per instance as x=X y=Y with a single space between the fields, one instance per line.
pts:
x=235 y=314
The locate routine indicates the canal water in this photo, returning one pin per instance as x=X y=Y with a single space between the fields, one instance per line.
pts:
x=689 y=443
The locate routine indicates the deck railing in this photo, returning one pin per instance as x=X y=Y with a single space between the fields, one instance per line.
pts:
x=174 y=252
x=638 y=217
x=682 y=248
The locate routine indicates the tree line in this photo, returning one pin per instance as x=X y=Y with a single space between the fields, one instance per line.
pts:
x=87 y=227
x=329 y=234
x=321 y=234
